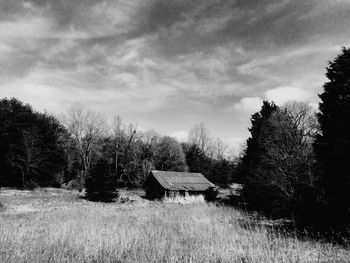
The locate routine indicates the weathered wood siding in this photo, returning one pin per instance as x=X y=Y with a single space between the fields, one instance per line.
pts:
x=180 y=197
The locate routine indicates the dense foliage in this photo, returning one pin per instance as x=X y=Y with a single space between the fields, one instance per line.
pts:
x=100 y=185
x=278 y=165
x=296 y=167
x=251 y=163
x=31 y=147
x=333 y=143
x=36 y=150
x=219 y=171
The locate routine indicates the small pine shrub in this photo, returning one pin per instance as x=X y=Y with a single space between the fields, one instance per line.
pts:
x=100 y=185
x=211 y=194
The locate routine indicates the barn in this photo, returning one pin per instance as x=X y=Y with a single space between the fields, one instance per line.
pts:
x=177 y=187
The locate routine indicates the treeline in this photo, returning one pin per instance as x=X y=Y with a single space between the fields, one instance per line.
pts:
x=39 y=150
x=296 y=162
x=31 y=146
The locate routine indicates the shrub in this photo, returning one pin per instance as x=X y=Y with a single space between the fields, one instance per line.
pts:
x=211 y=194
x=100 y=186
x=72 y=185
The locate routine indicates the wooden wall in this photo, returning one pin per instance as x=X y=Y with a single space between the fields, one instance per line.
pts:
x=182 y=197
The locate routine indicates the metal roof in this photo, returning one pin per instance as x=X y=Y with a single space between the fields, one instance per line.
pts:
x=182 y=180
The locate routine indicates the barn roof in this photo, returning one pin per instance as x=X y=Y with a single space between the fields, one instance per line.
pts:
x=182 y=180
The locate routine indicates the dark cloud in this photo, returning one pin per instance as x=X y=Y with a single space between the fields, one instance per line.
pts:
x=255 y=25
x=169 y=62
x=11 y=9
x=67 y=12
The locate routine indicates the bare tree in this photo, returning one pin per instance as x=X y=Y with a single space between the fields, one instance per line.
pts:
x=289 y=154
x=304 y=118
x=150 y=136
x=127 y=147
x=129 y=150
x=27 y=157
x=200 y=136
x=277 y=173
x=117 y=139
x=220 y=149
x=86 y=128
x=170 y=155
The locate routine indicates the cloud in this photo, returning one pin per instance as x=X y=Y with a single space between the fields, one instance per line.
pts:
x=282 y=95
x=21 y=29
x=169 y=64
x=249 y=104
x=214 y=24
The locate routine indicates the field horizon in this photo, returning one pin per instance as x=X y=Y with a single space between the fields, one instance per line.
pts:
x=56 y=225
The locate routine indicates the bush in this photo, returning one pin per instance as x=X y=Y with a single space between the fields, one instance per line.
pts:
x=72 y=185
x=211 y=194
x=100 y=186
x=32 y=185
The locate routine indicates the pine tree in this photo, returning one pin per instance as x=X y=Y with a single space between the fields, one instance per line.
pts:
x=100 y=185
x=333 y=144
x=251 y=160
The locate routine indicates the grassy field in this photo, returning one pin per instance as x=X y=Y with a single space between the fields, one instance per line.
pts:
x=53 y=225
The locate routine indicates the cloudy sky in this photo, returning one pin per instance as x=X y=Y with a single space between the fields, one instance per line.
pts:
x=169 y=64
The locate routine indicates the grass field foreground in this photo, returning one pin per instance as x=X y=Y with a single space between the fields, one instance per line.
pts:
x=54 y=225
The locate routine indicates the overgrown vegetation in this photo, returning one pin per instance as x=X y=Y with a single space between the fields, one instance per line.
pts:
x=51 y=225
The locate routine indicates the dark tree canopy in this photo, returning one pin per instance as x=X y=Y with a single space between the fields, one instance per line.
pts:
x=333 y=144
x=277 y=167
x=169 y=155
x=31 y=149
x=100 y=184
x=196 y=160
x=250 y=164
x=220 y=172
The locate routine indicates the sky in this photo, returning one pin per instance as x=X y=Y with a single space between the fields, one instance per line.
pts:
x=168 y=65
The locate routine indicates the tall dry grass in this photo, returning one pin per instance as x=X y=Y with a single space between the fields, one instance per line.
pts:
x=41 y=227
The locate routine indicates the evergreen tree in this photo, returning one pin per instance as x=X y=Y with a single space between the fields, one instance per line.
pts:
x=100 y=184
x=218 y=171
x=333 y=144
x=222 y=172
x=277 y=168
x=252 y=158
x=196 y=159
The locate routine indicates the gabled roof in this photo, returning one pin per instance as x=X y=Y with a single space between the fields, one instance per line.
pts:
x=182 y=180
